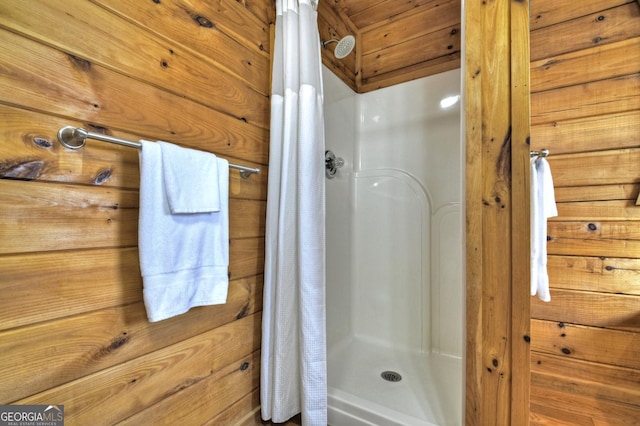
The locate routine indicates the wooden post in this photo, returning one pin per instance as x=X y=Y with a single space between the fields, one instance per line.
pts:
x=497 y=212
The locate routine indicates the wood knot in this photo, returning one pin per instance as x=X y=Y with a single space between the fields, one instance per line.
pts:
x=244 y=366
x=116 y=343
x=202 y=21
x=102 y=176
x=42 y=142
x=81 y=64
x=25 y=169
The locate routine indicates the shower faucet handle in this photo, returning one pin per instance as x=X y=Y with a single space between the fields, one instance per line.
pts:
x=332 y=163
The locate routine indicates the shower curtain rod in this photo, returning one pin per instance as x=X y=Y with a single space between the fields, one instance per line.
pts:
x=76 y=137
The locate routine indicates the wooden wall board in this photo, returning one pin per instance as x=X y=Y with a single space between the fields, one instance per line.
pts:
x=31 y=151
x=199 y=25
x=628 y=231
x=205 y=399
x=606 y=310
x=613 y=347
x=70 y=261
x=604 y=26
x=596 y=193
x=417 y=50
x=111 y=216
x=604 y=382
x=59 y=280
x=116 y=335
x=602 y=132
x=582 y=66
x=596 y=168
x=106 y=393
x=590 y=273
x=110 y=99
x=61 y=217
x=602 y=210
x=365 y=14
x=412 y=72
x=395 y=41
x=614 y=96
x=593 y=247
x=420 y=22
x=548 y=12
x=244 y=412
x=46 y=286
x=132 y=50
x=575 y=409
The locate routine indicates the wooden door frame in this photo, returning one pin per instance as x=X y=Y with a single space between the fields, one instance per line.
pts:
x=497 y=110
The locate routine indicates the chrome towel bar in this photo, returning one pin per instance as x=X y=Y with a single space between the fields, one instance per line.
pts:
x=76 y=137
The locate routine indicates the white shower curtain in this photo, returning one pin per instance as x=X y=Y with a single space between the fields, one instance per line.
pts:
x=293 y=374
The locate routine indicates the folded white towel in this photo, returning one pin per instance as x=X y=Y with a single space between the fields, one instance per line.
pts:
x=188 y=178
x=184 y=258
x=543 y=206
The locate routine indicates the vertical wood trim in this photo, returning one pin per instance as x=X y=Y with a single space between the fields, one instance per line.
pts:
x=473 y=209
x=496 y=195
x=520 y=256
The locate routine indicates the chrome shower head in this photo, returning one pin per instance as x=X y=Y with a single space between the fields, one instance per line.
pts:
x=344 y=47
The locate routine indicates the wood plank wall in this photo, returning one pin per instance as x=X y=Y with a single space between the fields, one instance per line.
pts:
x=73 y=328
x=585 y=82
x=396 y=41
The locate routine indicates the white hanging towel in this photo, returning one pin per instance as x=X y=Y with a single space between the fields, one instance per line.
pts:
x=183 y=233
x=543 y=206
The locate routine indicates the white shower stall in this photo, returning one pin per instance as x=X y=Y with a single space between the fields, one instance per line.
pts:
x=395 y=300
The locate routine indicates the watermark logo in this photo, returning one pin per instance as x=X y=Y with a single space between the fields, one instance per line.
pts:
x=31 y=415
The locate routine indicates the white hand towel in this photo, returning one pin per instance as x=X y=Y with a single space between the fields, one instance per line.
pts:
x=184 y=258
x=543 y=206
x=188 y=176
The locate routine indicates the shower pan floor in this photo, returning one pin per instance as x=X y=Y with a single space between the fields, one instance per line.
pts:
x=429 y=393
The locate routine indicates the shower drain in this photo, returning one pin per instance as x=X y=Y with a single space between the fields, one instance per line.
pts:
x=391 y=376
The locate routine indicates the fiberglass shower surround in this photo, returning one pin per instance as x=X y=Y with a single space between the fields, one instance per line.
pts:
x=394 y=254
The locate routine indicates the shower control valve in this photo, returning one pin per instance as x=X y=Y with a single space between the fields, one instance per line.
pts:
x=332 y=163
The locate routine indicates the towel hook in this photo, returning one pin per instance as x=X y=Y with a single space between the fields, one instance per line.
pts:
x=544 y=152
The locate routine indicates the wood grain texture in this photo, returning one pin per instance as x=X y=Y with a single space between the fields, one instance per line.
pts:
x=549 y=12
x=76 y=329
x=613 y=347
x=615 y=311
x=553 y=407
x=520 y=189
x=612 y=96
x=600 y=274
x=77 y=346
x=585 y=110
x=585 y=31
x=73 y=87
x=577 y=67
x=604 y=382
x=492 y=164
x=106 y=395
x=395 y=41
x=602 y=132
x=132 y=50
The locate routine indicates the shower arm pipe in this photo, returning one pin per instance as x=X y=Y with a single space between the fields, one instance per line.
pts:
x=333 y=40
x=76 y=137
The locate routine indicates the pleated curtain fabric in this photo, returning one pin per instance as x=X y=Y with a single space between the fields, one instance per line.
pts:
x=293 y=365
